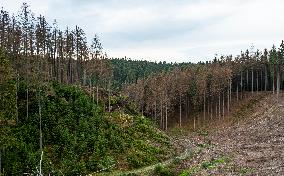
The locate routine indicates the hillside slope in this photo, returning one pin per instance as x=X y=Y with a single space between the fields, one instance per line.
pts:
x=254 y=146
x=250 y=142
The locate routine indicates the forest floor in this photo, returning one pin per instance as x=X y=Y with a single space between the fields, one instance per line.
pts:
x=251 y=145
x=250 y=141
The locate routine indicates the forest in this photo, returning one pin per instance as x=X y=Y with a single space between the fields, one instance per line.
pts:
x=69 y=109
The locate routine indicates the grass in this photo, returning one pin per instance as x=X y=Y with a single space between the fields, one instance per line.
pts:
x=207 y=165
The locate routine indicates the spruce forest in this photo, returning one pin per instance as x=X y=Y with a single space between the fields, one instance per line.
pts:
x=66 y=108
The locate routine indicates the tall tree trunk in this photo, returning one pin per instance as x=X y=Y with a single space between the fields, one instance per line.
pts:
x=1 y=160
x=161 y=120
x=97 y=95
x=194 y=123
x=219 y=105
x=27 y=103
x=273 y=83
x=266 y=78
x=247 y=87
x=241 y=88
x=228 y=103
x=230 y=90
x=17 y=108
x=211 y=110
x=166 y=125
x=256 y=81
x=40 y=121
x=109 y=98
x=252 y=81
x=216 y=110
x=84 y=77
x=223 y=99
x=278 y=82
x=208 y=107
x=204 y=106
x=155 y=110
x=186 y=107
x=180 y=110
x=237 y=91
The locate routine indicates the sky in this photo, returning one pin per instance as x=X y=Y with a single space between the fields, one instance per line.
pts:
x=168 y=30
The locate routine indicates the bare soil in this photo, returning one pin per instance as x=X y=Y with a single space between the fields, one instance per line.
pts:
x=251 y=146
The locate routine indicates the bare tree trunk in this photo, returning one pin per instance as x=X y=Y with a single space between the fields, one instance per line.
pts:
x=216 y=109
x=256 y=81
x=230 y=91
x=179 y=110
x=155 y=110
x=40 y=123
x=237 y=91
x=17 y=109
x=84 y=77
x=228 y=103
x=208 y=107
x=273 y=82
x=92 y=92
x=194 y=123
x=266 y=79
x=252 y=81
x=166 y=125
x=211 y=110
x=97 y=95
x=241 y=86
x=223 y=98
x=161 y=120
x=40 y=169
x=0 y=160
x=109 y=97
x=278 y=83
x=204 y=106
x=186 y=107
x=27 y=103
x=247 y=80
x=219 y=105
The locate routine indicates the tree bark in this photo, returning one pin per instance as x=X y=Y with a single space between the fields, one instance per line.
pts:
x=17 y=108
x=166 y=125
x=256 y=81
x=237 y=92
x=109 y=97
x=278 y=83
x=155 y=110
x=40 y=123
x=27 y=103
x=228 y=103
x=179 y=110
x=219 y=105
x=223 y=99
x=247 y=87
x=252 y=81
x=266 y=79
x=97 y=95
x=204 y=106
x=241 y=88
x=273 y=83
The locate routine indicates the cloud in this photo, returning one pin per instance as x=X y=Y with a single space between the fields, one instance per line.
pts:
x=169 y=30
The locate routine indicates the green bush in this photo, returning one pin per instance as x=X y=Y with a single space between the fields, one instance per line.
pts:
x=78 y=136
x=163 y=171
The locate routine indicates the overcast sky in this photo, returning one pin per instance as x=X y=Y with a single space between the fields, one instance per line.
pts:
x=168 y=30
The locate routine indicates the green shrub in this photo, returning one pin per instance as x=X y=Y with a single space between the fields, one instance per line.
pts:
x=163 y=171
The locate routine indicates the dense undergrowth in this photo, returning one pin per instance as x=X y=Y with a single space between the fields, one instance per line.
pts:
x=79 y=136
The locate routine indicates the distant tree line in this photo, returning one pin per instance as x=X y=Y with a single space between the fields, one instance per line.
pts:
x=208 y=87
